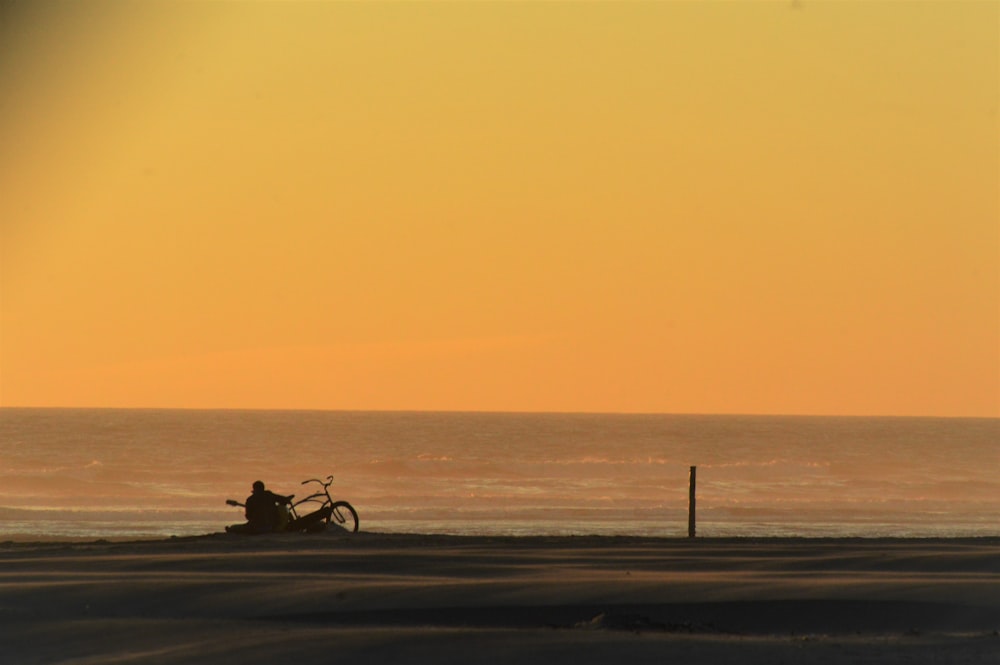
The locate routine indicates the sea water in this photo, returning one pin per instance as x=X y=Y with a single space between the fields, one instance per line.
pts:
x=99 y=473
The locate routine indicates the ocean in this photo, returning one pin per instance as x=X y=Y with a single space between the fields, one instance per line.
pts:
x=124 y=474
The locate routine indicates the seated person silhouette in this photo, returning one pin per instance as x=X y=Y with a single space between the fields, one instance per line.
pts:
x=265 y=512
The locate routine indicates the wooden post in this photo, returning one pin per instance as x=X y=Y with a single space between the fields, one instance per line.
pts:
x=694 y=471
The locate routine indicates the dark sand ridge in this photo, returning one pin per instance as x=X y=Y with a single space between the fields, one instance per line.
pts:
x=410 y=598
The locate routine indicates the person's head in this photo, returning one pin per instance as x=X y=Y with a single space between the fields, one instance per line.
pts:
x=258 y=486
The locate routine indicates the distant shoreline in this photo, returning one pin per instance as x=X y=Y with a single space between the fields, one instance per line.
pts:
x=376 y=538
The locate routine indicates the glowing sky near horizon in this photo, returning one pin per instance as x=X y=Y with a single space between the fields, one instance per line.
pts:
x=636 y=207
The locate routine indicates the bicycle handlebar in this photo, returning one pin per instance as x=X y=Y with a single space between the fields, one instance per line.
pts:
x=329 y=481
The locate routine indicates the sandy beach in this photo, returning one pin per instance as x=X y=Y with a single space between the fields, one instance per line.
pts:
x=381 y=598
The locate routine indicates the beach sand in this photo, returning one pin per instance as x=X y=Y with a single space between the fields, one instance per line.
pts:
x=383 y=598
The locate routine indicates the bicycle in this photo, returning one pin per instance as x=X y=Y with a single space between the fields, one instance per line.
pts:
x=340 y=513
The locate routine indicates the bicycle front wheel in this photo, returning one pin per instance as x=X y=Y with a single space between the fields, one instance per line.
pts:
x=343 y=515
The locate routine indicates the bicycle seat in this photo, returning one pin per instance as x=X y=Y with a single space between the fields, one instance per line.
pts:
x=290 y=497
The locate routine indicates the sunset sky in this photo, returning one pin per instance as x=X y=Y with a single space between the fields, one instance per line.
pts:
x=788 y=208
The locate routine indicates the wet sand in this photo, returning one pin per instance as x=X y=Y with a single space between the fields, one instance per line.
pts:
x=381 y=598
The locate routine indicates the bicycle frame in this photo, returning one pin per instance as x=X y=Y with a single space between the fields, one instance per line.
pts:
x=323 y=498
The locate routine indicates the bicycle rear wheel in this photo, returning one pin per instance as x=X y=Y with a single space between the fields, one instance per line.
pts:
x=343 y=515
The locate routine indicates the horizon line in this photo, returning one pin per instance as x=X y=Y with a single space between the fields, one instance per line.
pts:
x=500 y=412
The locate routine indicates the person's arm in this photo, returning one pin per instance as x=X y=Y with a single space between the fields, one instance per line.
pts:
x=280 y=498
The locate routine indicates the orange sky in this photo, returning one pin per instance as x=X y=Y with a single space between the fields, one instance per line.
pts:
x=655 y=207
